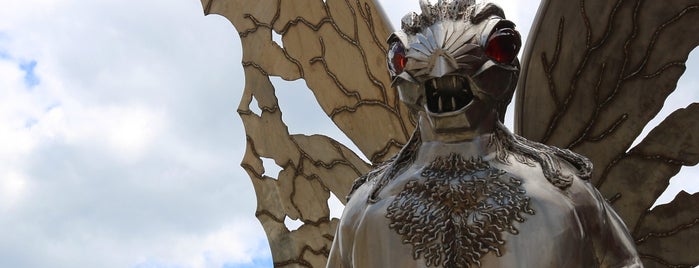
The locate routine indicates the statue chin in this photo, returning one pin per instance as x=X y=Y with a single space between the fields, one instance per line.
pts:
x=451 y=122
x=464 y=124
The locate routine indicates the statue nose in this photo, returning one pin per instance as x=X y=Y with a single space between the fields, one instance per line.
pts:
x=442 y=65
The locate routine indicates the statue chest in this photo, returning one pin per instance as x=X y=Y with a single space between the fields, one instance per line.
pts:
x=458 y=212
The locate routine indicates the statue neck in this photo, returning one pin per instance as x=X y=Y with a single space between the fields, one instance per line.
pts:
x=485 y=127
x=473 y=143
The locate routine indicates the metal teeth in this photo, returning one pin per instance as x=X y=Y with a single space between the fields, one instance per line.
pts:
x=447 y=83
x=447 y=94
x=440 y=103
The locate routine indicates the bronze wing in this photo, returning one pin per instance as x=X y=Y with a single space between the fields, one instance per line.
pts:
x=594 y=74
x=338 y=48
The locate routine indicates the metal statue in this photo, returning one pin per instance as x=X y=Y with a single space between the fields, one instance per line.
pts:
x=446 y=184
x=466 y=192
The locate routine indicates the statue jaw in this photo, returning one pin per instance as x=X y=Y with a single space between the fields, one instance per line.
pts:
x=451 y=107
x=463 y=125
x=462 y=104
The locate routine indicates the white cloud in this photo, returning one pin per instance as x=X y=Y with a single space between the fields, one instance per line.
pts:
x=126 y=130
x=237 y=243
x=13 y=110
x=12 y=188
x=125 y=153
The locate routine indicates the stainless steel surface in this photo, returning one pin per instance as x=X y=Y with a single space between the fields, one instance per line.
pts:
x=465 y=191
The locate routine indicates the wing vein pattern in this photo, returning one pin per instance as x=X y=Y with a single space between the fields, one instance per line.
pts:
x=337 y=48
x=593 y=76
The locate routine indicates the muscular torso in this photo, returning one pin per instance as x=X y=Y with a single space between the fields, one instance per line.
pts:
x=454 y=209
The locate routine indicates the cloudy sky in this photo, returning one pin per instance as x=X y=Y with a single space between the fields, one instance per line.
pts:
x=119 y=140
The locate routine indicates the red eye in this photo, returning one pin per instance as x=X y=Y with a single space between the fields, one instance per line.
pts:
x=396 y=58
x=503 y=45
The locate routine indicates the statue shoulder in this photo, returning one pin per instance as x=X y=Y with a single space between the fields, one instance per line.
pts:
x=559 y=166
x=370 y=176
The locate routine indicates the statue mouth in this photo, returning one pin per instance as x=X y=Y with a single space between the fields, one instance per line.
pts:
x=447 y=94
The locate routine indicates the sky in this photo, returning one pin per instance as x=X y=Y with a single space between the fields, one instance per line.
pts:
x=119 y=138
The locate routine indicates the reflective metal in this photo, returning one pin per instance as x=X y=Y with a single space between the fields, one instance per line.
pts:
x=465 y=191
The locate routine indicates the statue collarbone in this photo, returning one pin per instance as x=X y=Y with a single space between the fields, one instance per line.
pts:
x=558 y=166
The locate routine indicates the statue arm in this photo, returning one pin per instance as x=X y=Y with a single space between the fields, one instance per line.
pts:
x=615 y=246
x=341 y=252
x=336 y=257
x=343 y=243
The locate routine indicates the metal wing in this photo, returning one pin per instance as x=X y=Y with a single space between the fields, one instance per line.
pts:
x=594 y=74
x=338 y=48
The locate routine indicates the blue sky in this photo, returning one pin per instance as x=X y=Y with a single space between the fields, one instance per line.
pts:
x=119 y=139
x=30 y=78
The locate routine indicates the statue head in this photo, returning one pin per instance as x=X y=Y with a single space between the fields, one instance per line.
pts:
x=456 y=63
